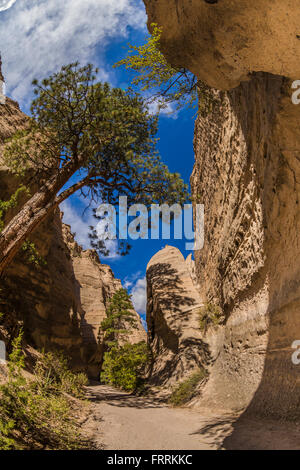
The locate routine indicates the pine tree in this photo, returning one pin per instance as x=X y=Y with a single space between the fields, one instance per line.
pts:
x=124 y=363
x=119 y=313
x=105 y=136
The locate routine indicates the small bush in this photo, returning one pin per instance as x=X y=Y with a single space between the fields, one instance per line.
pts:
x=210 y=314
x=31 y=254
x=5 y=206
x=36 y=413
x=124 y=366
x=185 y=391
x=53 y=367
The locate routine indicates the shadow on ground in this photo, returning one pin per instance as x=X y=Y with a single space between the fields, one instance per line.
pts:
x=121 y=399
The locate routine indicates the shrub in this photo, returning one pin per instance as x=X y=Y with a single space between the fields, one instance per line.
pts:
x=210 y=314
x=53 y=367
x=31 y=255
x=124 y=366
x=5 y=206
x=185 y=391
x=37 y=413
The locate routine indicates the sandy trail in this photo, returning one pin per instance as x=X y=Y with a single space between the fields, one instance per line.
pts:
x=120 y=421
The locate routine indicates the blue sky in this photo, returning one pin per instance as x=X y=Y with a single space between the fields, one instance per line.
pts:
x=36 y=38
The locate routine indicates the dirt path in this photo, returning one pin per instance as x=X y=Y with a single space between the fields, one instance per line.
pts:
x=120 y=421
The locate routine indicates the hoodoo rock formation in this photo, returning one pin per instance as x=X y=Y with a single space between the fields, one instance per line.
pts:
x=223 y=42
x=247 y=174
x=173 y=306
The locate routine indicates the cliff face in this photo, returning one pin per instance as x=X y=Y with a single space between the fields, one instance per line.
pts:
x=173 y=318
x=62 y=303
x=95 y=285
x=223 y=42
x=247 y=174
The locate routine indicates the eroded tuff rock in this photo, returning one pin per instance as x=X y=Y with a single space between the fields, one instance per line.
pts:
x=95 y=285
x=63 y=303
x=247 y=173
x=224 y=42
x=60 y=304
x=41 y=298
x=173 y=318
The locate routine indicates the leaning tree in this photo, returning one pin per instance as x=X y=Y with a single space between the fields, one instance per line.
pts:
x=104 y=137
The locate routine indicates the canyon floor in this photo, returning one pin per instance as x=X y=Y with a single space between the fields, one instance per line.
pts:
x=122 y=421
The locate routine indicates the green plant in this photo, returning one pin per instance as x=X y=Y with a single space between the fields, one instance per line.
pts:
x=10 y=204
x=210 y=314
x=104 y=135
x=185 y=391
x=36 y=413
x=53 y=368
x=124 y=366
x=119 y=314
x=6 y=430
x=168 y=84
x=31 y=254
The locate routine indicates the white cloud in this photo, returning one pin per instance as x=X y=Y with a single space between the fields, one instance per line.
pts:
x=38 y=36
x=80 y=221
x=139 y=295
x=130 y=280
x=6 y=4
x=169 y=110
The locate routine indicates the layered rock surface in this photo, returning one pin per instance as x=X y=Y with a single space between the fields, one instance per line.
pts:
x=173 y=318
x=95 y=285
x=223 y=42
x=62 y=303
x=247 y=174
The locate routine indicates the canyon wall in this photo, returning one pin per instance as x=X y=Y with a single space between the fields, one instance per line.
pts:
x=247 y=174
x=61 y=303
x=173 y=304
x=95 y=286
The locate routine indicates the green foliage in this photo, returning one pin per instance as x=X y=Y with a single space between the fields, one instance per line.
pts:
x=119 y=313
x=37 y=413
x=10 y=204
x=167 y=83
x=210 y=314
x=105 y=135
x=16 y=358
x=106 y=131
x=6 y=430
x=31 y=254
x=124 y=366
x=185 y=391
x=53 y=367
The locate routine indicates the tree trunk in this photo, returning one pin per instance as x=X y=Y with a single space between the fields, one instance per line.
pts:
x=34 y=212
